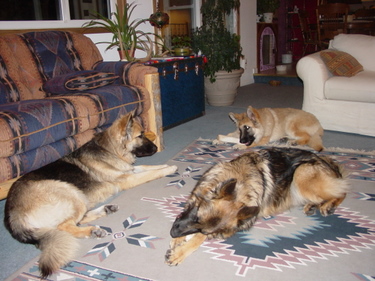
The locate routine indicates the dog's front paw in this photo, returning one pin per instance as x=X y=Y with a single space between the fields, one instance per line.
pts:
x=216 y=142
x=98 y=232
x=110 y=209
x=174 y=257
x=171 y=169
x=239 y=146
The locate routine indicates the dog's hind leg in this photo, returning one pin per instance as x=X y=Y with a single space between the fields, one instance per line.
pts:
x=320 y=188
x=182 y=247
x=102 y=211
x=82 y=232
x=328 y=207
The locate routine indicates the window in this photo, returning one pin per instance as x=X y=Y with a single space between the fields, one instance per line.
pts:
x=29 y=14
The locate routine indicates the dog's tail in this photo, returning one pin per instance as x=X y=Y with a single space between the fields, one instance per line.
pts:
x=58 y=248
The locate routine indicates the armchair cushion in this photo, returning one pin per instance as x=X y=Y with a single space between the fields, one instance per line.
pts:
x=341 y=63
x=78 y=81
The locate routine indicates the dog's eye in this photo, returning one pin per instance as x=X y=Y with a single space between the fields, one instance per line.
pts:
x=246 y=128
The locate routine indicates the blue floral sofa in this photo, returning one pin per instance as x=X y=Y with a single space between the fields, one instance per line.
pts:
x=56 y=93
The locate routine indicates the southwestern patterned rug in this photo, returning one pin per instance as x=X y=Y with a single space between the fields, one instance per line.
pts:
x=289 y=246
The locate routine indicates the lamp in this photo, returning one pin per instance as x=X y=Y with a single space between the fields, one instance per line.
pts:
x=159 y=19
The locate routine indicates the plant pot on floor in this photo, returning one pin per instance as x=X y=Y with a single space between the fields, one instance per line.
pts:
x=224 y=90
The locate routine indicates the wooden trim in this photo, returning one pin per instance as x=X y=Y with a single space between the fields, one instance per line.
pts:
x=4 y=188
x=74 y=29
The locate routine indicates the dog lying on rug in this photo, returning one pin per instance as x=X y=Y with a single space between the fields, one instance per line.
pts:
x=45 y=207
x=257 y=127
x=232 y=195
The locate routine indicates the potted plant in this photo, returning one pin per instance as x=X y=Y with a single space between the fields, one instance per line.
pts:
x=222 y=51
x=127 y=36
x=267 y=8
x=181 y=45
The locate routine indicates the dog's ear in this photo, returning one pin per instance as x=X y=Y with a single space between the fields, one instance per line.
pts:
x=247 y=215
x=233 y=117
x=247 y=212
x=227 y=190
x=252 y=113
x=125 y=125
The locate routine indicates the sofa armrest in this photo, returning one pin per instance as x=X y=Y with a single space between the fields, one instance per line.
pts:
x=137 y=74
x=131 y=73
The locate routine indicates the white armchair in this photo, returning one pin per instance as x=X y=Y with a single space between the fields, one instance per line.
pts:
x=342 y=103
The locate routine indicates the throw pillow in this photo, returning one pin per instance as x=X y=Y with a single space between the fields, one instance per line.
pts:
x=340 y=63
x=78 y=81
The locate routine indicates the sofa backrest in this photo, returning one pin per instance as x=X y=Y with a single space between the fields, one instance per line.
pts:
x=28 y=60
x=361 y=47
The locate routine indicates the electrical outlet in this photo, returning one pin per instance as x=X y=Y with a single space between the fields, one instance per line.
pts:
x=243 y=63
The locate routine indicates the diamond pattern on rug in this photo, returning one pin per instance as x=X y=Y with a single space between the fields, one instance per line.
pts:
x=79 y=271
x=181 y=178
x=326 y=237
x=103 y=250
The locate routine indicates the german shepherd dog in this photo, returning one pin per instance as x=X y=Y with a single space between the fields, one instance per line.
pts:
x=45 y=207
x=285 y=125
x=232 y=195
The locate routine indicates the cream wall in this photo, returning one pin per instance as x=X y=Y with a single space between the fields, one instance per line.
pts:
x=247 y=33
x=248 y=39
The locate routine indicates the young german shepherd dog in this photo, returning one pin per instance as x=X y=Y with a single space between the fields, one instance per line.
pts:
x=232 y=195
x=261 y=126
x=45 y=207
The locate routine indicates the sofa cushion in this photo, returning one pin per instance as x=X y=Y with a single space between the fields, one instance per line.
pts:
x=359 y=46
x=341 y=63
x=78 y=81
x=359 y=88
x=53 y=52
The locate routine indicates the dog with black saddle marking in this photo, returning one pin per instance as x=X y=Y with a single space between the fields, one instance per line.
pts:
x=47 y=207
x=232 y=195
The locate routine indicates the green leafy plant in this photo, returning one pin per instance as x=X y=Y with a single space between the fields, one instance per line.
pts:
x=126 y=33
x=181 y=42
x=267 y=6
x=221 y=48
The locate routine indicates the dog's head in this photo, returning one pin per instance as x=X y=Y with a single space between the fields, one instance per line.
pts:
x=127 y=135
x=221 y=216
x=248 y=125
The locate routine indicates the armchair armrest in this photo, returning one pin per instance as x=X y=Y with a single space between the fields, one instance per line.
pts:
x=137 y=74
x=314 y=73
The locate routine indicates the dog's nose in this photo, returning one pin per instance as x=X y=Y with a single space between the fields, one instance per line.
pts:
x=174 y=233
